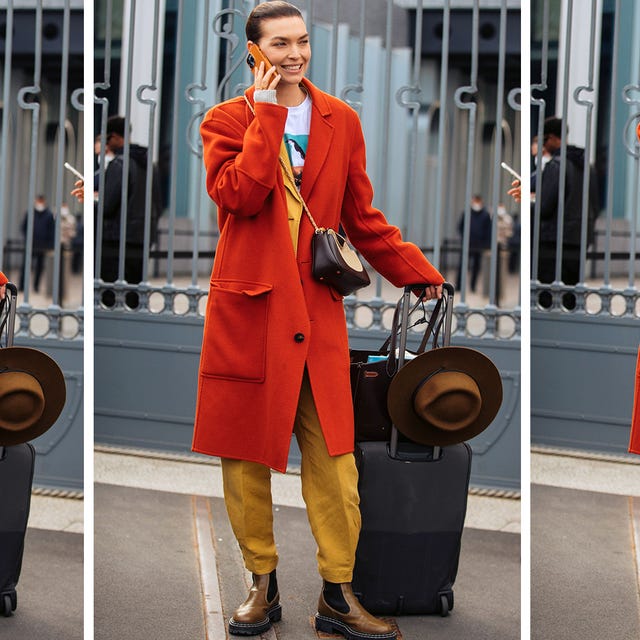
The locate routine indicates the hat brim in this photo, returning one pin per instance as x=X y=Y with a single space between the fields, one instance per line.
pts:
x=407 y=380
x=51 y=379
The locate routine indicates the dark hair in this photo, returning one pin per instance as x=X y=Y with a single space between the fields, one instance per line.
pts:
x=268 y=11
x=553 y=126
x=115 y=124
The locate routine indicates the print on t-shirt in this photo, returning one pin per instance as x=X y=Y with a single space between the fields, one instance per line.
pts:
x=297 y=150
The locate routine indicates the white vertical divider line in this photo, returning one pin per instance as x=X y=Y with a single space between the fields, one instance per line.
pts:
x=87 y=322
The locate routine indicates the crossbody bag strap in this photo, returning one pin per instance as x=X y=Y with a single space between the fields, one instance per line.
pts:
x=284 y=168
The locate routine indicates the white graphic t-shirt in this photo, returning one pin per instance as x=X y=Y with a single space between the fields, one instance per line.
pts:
x=296 y=136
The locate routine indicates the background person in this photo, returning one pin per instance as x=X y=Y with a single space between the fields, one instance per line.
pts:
x=136 y=199
x=548 y=192
x=479 y=238
x=44 y=228
x=275 y=355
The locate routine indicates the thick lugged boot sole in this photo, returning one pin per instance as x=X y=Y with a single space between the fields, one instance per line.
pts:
x=256 y=628
x=331 y=625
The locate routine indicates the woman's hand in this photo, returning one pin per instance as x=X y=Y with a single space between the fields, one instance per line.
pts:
x=432 y=291
x=268 y=80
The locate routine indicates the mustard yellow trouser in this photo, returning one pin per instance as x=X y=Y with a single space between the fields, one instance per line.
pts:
x=329 y=489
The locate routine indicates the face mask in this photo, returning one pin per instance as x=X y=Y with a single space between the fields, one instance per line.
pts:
x=108 y=157
x=502 y=211
x=476 y=207
x=39 y=207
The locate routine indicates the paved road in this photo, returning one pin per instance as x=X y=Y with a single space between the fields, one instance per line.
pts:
x=148 y=584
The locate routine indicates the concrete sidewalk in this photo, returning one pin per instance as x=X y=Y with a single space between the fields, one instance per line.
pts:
x=585 y=535
x=50 y=590
x=167 y=564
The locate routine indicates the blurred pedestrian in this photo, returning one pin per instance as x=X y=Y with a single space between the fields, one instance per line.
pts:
x=67 y=226
x=479 y=238
x=505 y=226
x=42 y=240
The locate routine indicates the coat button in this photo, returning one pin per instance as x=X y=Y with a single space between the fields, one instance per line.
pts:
x=299 y=337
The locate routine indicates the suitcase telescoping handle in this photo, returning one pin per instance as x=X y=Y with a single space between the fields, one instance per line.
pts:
x=12 y=292
x=447 y=294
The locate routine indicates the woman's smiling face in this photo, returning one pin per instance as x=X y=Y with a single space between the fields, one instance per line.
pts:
x=285 y=41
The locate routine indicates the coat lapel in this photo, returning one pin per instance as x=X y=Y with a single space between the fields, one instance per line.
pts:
x=320 y=140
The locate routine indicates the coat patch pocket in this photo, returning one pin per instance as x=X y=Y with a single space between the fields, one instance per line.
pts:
x=235 y=337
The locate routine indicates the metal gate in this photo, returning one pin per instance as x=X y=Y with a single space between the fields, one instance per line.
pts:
x=437 y=91
x=41 y=74
x=585 y=333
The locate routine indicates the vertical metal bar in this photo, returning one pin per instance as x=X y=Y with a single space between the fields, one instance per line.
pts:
x=126 y=152
x=497 y=154
x=201 y=85
x=442 y=123
x=471 y=107
x=541 y=103
x=104 y=103
x=634 y=227
x=34 y=107
x=357 y=86
x=414 y=106
x=612 y=143
x=58 y=265
x=633 y=151
x=152 y=86
x=6 y=112
x=382 y=187
x=563 y=144
x=587 y=148
x=334 y=48
x=174 y=146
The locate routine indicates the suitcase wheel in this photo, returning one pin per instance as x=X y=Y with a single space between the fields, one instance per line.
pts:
x=445 y=604
x=8 y=604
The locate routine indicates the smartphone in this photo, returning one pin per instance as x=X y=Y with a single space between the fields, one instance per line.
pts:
x=255 y=57
x=74 y=171
x=506 y=167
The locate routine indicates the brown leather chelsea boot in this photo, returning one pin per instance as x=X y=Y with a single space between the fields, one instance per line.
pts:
x=339 y=611
x=261 y=608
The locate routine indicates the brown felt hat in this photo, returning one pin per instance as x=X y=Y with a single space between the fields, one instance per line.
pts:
x=32 y=394
x=445 y=396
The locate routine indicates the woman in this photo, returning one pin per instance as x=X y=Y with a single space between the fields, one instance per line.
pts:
x=275 y=356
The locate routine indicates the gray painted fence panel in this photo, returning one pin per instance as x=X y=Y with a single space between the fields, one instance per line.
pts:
x=582 y=381
x=161 y=355
x=583 y=359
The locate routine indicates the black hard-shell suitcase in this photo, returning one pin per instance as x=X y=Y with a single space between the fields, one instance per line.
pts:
x=16 y=478
x=413 y=502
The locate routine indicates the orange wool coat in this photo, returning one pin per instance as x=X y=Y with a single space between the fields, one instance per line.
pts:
x=266 y=316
